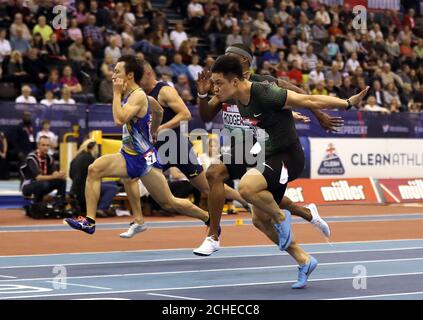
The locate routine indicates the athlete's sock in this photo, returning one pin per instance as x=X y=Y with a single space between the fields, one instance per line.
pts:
x=91 y=221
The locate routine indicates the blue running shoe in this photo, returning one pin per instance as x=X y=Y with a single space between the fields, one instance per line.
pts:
x=80 y=224
x=284 y=231
x=304 y=272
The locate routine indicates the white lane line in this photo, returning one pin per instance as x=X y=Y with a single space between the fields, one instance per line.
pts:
x=379 y=295
x=207 y=287
x=208 y=258
x=217 y=270
x=370 y=242
x=7 y=277
x=171 y=296
x=81 y=285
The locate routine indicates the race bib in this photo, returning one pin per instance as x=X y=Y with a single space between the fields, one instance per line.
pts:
x=150 y=158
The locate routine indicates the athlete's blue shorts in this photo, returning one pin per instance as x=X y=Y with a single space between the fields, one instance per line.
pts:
x=136 y=166
x=189 y=166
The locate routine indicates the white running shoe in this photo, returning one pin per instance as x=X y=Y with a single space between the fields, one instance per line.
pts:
x=134 y=228
x=208 y=247
x=317 y=221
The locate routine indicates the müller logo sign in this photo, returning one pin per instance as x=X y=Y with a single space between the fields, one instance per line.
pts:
x=341 y=191
x=413 y=190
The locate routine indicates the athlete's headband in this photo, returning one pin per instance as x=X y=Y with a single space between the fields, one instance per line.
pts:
x=239 y=51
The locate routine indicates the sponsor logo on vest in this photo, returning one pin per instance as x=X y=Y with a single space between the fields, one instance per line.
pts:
x=412 y=191
x=331 y=163
x=341 y=191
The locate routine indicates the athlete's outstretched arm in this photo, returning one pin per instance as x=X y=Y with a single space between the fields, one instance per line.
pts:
x=326 y=121
x=169 y=97
x=156 y=116
x=136 y=103
x=296 y=100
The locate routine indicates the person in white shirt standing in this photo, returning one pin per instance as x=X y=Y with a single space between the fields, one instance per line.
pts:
x=194 y=68
x=26 y=97
x=178 y=35
x=5 y=48
x=45 y=132
x=196 y=15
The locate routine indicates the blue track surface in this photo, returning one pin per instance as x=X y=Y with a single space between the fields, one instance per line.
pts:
x=393 y=270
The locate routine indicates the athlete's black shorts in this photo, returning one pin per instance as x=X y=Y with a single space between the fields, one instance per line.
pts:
x=293 y=160
x=189 y=165
x=236 y=167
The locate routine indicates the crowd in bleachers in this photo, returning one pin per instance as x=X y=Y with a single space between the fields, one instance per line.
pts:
x=313 y=45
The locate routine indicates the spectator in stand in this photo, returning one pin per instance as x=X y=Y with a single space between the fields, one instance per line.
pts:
x=178 y=67
x=270 y=10
x=81 y=13
x=309 y=59
x=54 y=52
x=66 y=97
x=214 y=27
x=302 y=43
x=260 y=43
x=278 y=39
x=195 y=12
x=105 y=91
x=194 y=68
x=350 y=44
x=163 y=68
x=247 y=38
x=392 y=47
x=185 y=51
x=102 y=15
x=295 y=74
x=389 y=77
x=319 y=32
x=418 y=49
x=320 y=89
x=182 y=84
x=272 y=56
x=53 y=83
x=19 y=43
x=352 y=63
x=317 y=76
x=323 y=15
x=409 y=19
x=378 y=93
x=335 y=31
x=93 y=32
x=49 y=99
x=234 y=37
x=261 y=25
x=295 y=56
x=127 y=47
x=332 y=90
x=113 y=49
x=76 y=51
x=178 y=35
x=74 y=31
x=107 y=66
x=375 y=32
x=5 y=47
x=35 y=67
x=18 y=27
x=43 y=28
x=391 y=93
x=372 y=106
x=26 y=97
x=70 y=81
x=347 y=89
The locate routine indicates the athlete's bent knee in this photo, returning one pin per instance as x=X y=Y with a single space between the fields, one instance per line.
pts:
x=94 y=171
x=216 y=173
x=246 y=192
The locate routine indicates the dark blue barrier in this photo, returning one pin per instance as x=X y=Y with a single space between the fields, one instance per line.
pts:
x=100 y=117
x=367 y=125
